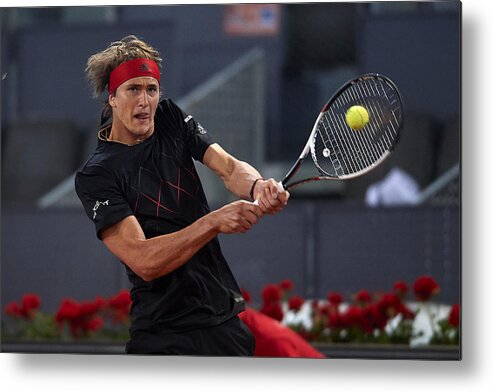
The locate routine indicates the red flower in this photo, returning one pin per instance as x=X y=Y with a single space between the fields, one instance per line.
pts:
x=295 y=303
x=271 y=294
x=81 y=317
x=120 y=306
x=121 y=300
x=327 y=309
x=246 y=295
x=334 y=320
x=13 y=309
x=400 y=288
x=353 y=317
x=454 y=316
x=286 y=285
x=273 y=310
x=88 y=309
x=363 y=296
x=68 y=310
x=30 y=302
x=335 y=298
x=374 y=317
x=389 y=304
x=425 y=287
x=93 y=324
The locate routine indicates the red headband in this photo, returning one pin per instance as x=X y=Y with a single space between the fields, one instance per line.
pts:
x=133 y=69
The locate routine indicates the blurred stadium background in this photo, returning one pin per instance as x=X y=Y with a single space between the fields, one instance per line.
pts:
x=255 y=76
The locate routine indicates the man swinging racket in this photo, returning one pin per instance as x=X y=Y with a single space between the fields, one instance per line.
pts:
x=141 y=190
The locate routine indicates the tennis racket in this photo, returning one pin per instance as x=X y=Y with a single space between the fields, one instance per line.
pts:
x=340 y=152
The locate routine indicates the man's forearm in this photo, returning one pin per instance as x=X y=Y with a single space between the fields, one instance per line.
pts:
x=166 y=253
x=242 y=178
x=238 y=176
x=158 y=256
x=155 y=257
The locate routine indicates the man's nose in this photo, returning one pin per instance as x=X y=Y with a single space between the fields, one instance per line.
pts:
x=144 y=99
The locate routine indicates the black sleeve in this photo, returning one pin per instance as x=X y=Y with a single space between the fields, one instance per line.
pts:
x=101 y=197
x=196 y=137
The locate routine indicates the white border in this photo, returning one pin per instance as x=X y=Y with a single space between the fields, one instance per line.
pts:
x=103 y=373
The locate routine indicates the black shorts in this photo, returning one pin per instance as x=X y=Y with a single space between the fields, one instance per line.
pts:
x=231 y=338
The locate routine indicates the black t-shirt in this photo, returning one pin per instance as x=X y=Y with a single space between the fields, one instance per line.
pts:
x=156 y=181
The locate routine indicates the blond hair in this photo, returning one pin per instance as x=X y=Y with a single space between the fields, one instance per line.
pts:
x=100 y=65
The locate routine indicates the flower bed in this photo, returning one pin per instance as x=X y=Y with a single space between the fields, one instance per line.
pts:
x=101 y=319
x=366 y=319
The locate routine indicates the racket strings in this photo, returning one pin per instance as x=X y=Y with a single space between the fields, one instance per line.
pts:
x=338 y=160
x=375 y=112
x=362 y=149
x=352 y=159
x=345 y=148
x=381 y=112
x=345 y=151
x=360 y=95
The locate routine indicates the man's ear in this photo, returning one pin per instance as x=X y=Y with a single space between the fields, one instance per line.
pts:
x=111 y=99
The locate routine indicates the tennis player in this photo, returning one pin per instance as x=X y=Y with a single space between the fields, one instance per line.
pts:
x=142 y=192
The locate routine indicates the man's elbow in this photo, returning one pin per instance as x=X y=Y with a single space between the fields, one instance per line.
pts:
x=140 y=259
x=144 y=267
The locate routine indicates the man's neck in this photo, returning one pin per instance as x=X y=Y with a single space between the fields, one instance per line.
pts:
x=125 y=137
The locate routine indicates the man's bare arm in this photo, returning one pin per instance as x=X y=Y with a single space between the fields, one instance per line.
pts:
x=239 y=177
x=158 y=256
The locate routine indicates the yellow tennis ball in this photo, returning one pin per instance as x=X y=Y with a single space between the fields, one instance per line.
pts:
x=357 y=117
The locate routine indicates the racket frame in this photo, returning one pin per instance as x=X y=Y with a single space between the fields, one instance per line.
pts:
x=309 y=146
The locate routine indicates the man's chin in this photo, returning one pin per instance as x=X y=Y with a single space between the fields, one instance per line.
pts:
x=142 y=129
x=142 y=132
